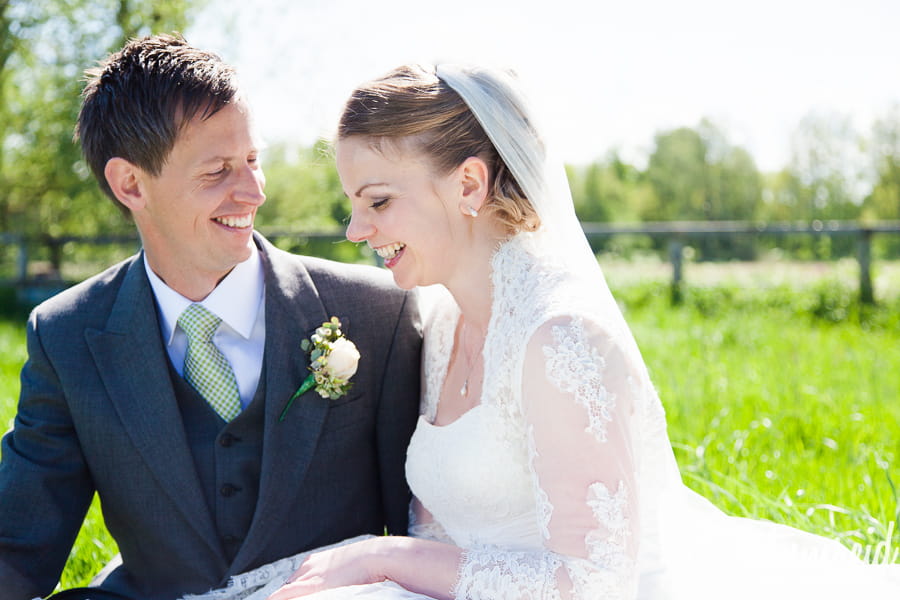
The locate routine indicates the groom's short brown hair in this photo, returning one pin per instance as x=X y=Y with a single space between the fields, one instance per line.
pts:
x=138 y=99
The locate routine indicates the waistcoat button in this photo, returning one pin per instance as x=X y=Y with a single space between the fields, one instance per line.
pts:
x=229 y=490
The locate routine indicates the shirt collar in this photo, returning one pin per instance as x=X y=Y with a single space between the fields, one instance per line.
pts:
x=236 y=300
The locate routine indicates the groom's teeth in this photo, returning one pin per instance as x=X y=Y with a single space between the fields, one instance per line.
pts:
x=236 y=222
x=390 y=251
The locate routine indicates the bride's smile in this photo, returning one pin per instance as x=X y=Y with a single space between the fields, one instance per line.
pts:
x=408 y=214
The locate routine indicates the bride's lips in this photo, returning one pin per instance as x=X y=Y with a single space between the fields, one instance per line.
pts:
x=393 y=261
x=390 y=253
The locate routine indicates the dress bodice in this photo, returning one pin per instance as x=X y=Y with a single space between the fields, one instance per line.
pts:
x=472 y=474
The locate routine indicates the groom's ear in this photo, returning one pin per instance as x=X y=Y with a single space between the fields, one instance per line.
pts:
x=124 y=179
x=475 y=179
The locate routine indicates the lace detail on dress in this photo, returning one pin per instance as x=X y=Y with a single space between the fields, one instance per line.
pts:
x=490 y=573
x=575 y=367
x=438 y=345
x=544 y=507
x=590 y=583
x=607 y=546
x=610 y=571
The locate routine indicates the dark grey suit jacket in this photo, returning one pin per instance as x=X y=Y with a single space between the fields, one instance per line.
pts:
x=97 y=412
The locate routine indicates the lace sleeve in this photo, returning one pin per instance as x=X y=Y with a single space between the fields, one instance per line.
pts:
x=577 y=402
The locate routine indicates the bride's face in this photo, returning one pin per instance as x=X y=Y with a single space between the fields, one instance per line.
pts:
x=405 y=212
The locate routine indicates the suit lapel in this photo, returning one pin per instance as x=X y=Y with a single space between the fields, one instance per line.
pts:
x=293 y=311
x=134 y=366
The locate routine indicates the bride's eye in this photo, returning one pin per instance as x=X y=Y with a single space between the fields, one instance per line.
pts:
x=379 y=203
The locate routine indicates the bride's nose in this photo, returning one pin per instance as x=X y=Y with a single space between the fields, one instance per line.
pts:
x=360 y=229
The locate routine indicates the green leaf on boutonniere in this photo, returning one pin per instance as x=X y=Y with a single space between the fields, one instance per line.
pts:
x=333 y=360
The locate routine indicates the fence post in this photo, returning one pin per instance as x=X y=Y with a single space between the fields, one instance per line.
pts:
x=864 y=256
x=675 y=257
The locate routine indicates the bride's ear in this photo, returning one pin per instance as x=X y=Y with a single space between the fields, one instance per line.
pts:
x=475 y=181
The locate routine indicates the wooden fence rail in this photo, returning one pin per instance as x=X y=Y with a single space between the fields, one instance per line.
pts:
x=674 y=232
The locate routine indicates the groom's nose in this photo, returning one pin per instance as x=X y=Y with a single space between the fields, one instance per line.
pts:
x=250 y=185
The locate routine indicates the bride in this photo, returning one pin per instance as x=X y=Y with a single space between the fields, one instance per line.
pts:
x=541 y=466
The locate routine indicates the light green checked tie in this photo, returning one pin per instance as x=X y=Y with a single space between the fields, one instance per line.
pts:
x=205 y=367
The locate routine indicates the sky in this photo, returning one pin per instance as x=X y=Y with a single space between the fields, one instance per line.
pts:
x=604 y=75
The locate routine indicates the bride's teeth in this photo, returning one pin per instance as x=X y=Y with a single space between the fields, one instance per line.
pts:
x=390 y=251
x=236 y=222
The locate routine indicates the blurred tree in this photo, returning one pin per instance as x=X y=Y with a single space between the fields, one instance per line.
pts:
x=610 y=190
x=678 y=172
x=827 y=164
x=884 y=200
x=303 y=193
x=45 y=187
x=825 y=180
x=697 y=174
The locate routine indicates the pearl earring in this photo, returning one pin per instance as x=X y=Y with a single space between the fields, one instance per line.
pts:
x=470 y=211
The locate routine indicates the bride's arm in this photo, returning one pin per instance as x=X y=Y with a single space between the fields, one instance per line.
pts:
x=578 y=398
x=423 y=566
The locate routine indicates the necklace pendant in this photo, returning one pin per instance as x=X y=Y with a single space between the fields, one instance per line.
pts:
x=464 y=390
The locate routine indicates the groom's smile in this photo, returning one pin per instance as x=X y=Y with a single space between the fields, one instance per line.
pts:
x=196 y=221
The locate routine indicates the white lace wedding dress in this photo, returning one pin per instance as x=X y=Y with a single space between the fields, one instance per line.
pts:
x=561 y=483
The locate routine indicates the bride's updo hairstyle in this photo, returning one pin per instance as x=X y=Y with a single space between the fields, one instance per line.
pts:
x=412 y=106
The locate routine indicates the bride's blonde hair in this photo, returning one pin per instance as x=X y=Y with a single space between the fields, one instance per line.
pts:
x=411 y=106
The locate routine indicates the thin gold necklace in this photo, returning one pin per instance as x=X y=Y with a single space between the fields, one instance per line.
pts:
x=470 y=361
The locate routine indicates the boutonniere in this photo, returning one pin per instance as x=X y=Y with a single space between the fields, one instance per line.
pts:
x=332 y=362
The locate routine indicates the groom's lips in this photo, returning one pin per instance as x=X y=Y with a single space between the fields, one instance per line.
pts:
x=235 y=221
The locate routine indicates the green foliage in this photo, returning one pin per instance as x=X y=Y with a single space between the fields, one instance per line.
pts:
x=697 y=174
x=608 y=191
x=884 y=201
x=303 y=192
x=44 y=48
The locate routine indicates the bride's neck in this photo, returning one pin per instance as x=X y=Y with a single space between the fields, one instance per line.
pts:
x=471 y=285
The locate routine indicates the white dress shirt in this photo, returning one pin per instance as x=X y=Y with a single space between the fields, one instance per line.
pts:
x=239 y=300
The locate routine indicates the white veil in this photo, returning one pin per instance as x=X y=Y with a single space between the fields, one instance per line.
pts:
x=501 y=107
x=698 y=550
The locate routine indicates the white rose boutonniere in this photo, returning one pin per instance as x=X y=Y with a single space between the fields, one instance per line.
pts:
x=333 y=360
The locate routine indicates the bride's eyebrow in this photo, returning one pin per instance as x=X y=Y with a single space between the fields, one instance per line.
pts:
x=358 y=193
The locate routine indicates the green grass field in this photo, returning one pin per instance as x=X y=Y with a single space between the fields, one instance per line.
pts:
x=783 y=403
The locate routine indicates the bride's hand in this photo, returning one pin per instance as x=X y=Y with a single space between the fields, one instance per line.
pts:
x=346 y=565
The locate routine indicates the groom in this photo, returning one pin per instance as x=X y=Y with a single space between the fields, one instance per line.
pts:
x=124 y=395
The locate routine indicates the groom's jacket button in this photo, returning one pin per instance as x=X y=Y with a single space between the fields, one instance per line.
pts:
x=227 y=440
x=228 y=490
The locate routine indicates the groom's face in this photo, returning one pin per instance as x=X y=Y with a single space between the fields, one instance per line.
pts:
x=197 y=219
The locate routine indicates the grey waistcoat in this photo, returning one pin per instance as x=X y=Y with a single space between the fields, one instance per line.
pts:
x=227 y=457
